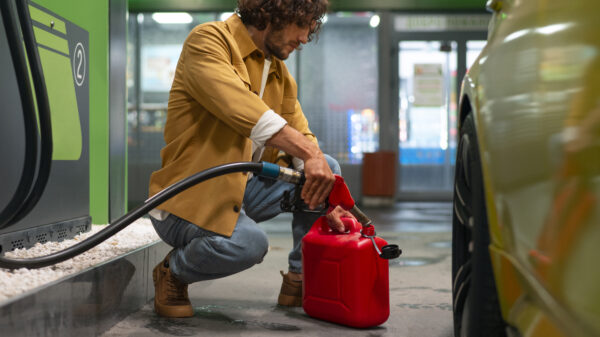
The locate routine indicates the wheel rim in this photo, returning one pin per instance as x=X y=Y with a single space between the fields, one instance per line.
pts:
x=462 y=234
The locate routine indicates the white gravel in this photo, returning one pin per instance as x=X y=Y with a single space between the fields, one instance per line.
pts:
x=14 y=282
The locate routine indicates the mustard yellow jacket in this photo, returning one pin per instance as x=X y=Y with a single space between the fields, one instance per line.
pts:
x=213 y=106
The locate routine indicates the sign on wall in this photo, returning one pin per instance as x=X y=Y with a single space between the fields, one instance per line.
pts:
x=428 y=89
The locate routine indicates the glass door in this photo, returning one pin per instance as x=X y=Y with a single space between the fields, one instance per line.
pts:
x=430 y=71
x=427 y=115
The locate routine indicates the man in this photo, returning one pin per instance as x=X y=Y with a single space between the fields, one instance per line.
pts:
x=232 y=100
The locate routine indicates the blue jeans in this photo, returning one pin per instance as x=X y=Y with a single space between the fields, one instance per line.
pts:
x=200 y=255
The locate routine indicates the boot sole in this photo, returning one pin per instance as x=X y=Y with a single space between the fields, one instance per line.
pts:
x=289 y=301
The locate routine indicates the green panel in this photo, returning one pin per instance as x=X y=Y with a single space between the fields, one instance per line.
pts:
x=93 y=17
x=335 y=5
x=51 y=41
x=409 y=5
x=66 y=129
x=182 y=5
x=47 y=19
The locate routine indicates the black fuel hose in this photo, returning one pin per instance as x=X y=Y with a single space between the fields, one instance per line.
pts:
x=263 y=169
x=43 y=104
x=30 y=161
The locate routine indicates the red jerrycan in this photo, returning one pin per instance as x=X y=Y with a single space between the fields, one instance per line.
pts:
x=346 y=281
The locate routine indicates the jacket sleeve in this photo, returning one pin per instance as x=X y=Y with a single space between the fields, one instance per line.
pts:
x=214 y=82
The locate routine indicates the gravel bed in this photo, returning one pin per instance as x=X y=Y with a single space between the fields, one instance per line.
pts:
x=18 y=281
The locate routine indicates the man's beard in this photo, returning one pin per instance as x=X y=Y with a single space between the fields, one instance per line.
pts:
x=275 y=45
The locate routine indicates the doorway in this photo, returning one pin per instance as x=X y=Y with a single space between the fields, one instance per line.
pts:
x=430 y=67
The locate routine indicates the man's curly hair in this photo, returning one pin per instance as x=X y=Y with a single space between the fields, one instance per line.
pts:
x=279 y=13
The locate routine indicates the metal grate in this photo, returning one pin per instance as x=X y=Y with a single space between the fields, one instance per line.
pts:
x=41 y=237
x=61 y=234
x=80 y=229
x=16 y=244
x=45 y=233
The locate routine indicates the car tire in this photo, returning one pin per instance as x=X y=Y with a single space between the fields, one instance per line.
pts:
x=476 y=309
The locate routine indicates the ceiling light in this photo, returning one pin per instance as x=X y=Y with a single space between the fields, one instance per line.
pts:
x=374 y=22
x=172 y=18
x=225 y=15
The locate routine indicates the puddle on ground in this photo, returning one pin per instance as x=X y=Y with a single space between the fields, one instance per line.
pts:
x=437 y=290
x=191 y=326
x=210 y=313
x=421 y=306
x=415 y=261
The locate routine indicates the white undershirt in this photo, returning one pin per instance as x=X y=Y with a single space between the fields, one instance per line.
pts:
x=269 y=123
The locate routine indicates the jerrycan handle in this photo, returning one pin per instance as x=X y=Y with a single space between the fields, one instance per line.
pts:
x=351 y=226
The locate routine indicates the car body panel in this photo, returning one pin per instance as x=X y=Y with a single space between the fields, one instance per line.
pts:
x=535 y=95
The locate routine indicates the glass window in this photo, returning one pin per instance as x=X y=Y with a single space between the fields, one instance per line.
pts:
x=155 y=41
x=338 y=86
x=338 y=93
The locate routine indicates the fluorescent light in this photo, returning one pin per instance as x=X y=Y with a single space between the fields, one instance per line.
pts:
x=172 y=18
x=225 y=15
x=374 y=22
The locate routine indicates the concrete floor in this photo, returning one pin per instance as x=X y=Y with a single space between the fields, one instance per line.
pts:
x=245 y=304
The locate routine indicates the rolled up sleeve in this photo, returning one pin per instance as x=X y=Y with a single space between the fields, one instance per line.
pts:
x=269 y=124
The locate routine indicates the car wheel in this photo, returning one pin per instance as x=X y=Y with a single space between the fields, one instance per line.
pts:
x=476 y=309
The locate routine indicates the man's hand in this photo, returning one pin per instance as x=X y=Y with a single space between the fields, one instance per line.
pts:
x=319 y=181
x=319 y=178
x=335 y=221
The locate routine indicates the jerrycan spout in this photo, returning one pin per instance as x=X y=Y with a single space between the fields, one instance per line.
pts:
x=340 y=196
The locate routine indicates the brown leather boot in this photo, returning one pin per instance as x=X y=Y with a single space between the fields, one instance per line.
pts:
x=170 y=295
x=291 y=290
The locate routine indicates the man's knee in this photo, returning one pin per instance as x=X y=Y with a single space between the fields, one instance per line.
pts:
x=257 y=247
x=231 y=255
x=250 y=246
x=333 y=164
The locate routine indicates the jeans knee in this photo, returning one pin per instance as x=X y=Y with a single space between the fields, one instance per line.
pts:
x=249 y=247
x=256 y=248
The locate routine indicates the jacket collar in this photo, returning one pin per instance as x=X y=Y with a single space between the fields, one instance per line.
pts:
x=241 y=35
x=244 y=41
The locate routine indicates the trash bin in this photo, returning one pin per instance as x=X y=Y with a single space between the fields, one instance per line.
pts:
x=379 y=178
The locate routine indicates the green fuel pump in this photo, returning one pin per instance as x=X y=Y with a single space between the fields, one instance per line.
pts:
x=45 y=175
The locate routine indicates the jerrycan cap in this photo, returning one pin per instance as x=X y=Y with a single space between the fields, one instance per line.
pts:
x=389 y=252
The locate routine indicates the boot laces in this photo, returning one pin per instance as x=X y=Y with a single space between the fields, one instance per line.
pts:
x=176 y=291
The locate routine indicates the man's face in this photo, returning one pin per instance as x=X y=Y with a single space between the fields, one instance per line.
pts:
x=282 y=43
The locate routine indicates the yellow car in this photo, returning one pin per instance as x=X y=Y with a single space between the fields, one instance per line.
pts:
x=526 y=225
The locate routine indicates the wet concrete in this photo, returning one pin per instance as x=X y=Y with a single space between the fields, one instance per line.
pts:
x=245 y=304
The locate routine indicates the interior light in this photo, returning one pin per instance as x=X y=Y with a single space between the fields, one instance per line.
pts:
x=374 y=22
x=324 y=20
x=172 y=18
